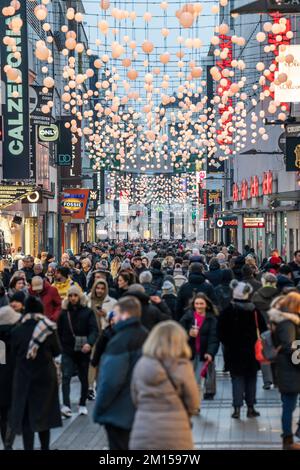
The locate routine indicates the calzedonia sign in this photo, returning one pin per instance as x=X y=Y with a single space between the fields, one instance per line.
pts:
x=15 y=107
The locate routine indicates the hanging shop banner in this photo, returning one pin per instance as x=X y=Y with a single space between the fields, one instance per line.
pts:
x=70 y=173
x=9 y=194
x=74 y=203
x=48 y=133
x=215 y=197
x=15 y=108
x=253 y=222
x=38 y=99
x=64 y=145
x=288 y=91
x=227 y=222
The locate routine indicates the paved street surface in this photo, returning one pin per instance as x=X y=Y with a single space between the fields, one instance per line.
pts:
x=213 y=429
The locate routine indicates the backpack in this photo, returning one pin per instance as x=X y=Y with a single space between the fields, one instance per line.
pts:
x=270 y=351
x=224 y=296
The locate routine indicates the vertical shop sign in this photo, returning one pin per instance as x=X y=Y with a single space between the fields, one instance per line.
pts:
x=15 y=108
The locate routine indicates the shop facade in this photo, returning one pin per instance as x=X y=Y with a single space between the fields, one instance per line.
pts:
x=259 y=198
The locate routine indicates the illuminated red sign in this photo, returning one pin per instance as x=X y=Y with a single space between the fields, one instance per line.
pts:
x=254 y=186
x=244 y=191
x=235 y=193
x=268 y=183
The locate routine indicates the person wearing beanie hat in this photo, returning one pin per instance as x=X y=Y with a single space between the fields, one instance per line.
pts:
x=48 y=295
x=169 y=296
x=78 y=332
x=126 y=264
x=178 y=276
x=8 y=320
x=237 y=327
x=17 y=301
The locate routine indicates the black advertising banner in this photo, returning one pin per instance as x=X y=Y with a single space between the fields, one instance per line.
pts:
x=71 y=168
x=15 y=108
x=215 y=165
x=292 y=148
x=292 y=162
x=64 y=145
x=38 y=99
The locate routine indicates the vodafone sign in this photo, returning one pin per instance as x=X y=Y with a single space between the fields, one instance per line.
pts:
x=227 y=222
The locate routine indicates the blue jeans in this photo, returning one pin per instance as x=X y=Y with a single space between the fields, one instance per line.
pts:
x=243 y=387
x=289 y=403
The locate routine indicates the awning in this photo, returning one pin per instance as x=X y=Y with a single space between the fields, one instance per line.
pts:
x=269 y=6
x=288 y=196
x=10 y=194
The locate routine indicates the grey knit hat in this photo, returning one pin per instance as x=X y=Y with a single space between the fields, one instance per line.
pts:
x=168 y=288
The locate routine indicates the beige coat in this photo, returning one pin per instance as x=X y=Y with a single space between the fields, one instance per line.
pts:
x=162 y=419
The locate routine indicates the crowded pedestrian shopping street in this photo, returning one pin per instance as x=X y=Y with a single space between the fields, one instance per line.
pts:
x=149 y=231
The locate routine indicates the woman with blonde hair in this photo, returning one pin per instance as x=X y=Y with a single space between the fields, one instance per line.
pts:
x=164 y=391
x=285 y=318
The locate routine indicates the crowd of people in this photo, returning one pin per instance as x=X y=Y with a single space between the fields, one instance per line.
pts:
x=140 y=324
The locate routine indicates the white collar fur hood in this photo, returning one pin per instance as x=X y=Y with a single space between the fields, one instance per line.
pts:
x=277 y=316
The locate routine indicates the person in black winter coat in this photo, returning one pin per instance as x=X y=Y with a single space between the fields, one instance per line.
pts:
x=223 y=291
x=238 y=333
x=157 y=274
x=215 y=273
x=35 y=402
x=200 y=323
x=248 y=277
x=105 y=336
x=76 y=320
x=197 y=282
x=153 y=311
x=169 y=296
x=285 y=278
x=8 y=321
x=286 y=333
x=236 y=265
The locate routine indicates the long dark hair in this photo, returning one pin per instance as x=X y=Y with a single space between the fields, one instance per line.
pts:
x=210 y=306
x=128 y=276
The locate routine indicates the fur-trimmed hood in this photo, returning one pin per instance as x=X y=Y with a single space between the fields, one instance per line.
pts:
x=74 y=289
x=277 y=316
